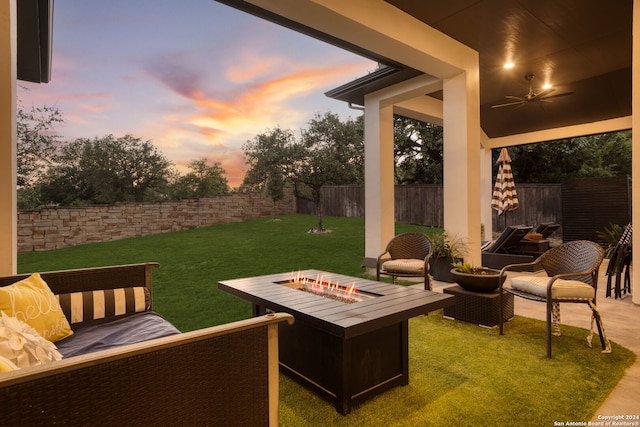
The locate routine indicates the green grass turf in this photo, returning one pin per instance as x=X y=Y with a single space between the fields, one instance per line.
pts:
x=465 y=375
x=460 y=374
x=192 y=262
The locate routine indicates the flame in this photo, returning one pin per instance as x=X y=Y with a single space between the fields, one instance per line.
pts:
x=321 y=286
x=351 y=289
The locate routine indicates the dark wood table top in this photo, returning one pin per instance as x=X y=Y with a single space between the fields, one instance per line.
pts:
x=392 y=303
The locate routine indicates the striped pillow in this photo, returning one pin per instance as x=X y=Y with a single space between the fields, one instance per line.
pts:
x=91 y=305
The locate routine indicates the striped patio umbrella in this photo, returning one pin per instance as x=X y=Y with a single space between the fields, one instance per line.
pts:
x=504 y=198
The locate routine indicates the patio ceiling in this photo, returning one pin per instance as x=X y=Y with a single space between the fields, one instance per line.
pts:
x=579 y=46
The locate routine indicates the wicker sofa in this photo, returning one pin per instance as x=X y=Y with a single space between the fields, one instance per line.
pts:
x=222 y=375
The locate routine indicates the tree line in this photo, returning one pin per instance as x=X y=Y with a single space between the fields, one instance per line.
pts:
x=329 y=151
x=102 y=170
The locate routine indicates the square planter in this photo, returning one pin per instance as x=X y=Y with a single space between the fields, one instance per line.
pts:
x=440 y=269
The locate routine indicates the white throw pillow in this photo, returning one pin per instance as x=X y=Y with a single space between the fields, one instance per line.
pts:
x=22 y=345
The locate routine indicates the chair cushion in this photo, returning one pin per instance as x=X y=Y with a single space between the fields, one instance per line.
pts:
x=562 y=289
x=404 y=266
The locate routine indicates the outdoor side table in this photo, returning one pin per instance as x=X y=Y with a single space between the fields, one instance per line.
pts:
x=481 y=308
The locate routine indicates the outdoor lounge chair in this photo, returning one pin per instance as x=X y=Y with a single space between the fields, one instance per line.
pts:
x=503 y=250
x=546 y=229
x=571 y=276
x=509 y=239
x=406 y=255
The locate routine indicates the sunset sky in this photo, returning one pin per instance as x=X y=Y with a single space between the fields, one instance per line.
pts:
x=195 y=77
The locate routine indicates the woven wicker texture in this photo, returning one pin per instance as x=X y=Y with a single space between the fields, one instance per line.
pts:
x=207 y=382
x=88 y=279
x=407 y=246
x=574 y=257
x=223 y=375
x=619 y=262
x=577 y=260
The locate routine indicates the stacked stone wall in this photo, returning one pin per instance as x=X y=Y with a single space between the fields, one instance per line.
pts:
x=58 y=227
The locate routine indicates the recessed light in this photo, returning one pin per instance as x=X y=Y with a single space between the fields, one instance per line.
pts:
x=509 y=65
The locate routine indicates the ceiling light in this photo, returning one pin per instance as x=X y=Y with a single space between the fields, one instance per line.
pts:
x=509 y=65
x=546 y=86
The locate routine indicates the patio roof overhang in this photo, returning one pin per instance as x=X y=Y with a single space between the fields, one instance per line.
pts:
x=579 y=46
x=586 y=47
x=34 y=40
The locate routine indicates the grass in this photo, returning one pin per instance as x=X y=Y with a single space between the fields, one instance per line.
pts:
x=465 y=375
x=192 y=262
x=460 y=374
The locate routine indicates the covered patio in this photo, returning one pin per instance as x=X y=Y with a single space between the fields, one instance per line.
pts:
x=445 y=64
x=441 y=63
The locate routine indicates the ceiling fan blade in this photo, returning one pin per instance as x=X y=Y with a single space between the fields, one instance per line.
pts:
x=544 y=95
x=557 y=95
x=508 y=104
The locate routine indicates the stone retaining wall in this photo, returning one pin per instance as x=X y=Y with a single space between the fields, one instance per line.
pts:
x=58 y=227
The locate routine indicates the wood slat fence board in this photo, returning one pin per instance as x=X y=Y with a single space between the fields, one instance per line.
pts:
x=583 y=205
x=591 y=204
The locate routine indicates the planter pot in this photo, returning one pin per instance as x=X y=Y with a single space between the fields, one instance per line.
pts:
x=484 y=280
x=440 y=269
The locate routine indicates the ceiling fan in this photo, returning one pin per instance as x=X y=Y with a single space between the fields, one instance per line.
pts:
x=532 y=96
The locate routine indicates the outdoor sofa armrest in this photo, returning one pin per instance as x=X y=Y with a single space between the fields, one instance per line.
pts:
x=213 y=376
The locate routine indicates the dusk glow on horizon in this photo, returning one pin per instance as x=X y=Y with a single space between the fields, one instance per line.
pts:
x=195 y=77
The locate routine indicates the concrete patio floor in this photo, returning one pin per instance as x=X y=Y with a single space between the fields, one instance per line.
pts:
x=621 y=319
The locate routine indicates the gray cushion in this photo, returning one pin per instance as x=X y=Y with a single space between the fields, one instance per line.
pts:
x=567 y=289
x=404 y=266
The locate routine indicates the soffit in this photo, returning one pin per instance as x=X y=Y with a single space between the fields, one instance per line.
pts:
x=580 y=46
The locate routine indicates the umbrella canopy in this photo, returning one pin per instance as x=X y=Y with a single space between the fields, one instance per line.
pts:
x=504 y=198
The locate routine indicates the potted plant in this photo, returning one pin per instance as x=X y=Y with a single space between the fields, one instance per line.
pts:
x=446 y=251
x=475 y=279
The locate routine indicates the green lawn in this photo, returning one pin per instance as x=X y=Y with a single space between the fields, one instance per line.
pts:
x=460 y=374
x=192 y=262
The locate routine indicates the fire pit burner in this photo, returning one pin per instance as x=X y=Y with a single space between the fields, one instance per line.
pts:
x=327 y=288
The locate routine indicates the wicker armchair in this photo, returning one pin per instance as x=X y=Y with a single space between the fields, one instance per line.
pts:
x=406 y=255
x=619 y=261
x=572 y=276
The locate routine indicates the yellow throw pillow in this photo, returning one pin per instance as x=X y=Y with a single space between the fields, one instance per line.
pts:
x=31 y=301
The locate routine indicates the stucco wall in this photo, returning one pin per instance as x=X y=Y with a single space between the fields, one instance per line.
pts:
x=58 y=227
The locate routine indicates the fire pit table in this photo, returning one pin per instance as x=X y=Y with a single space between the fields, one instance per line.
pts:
x=350 y=338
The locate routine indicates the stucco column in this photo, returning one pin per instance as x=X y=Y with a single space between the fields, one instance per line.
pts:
x=379 y=178
x=635 y=151
x=461 y=152
x=8 y=207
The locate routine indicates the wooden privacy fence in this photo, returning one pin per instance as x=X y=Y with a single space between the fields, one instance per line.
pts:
x=422 y=204
x=581 y=206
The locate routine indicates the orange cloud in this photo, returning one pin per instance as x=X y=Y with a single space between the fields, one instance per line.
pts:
x=218 y=126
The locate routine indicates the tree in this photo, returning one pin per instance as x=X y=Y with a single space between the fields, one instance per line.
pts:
x=417 y=151
x=107 y=170
x=270 y=157
x=36 y=144
x=331 y=153
x=202 y=181
x=606 y=154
